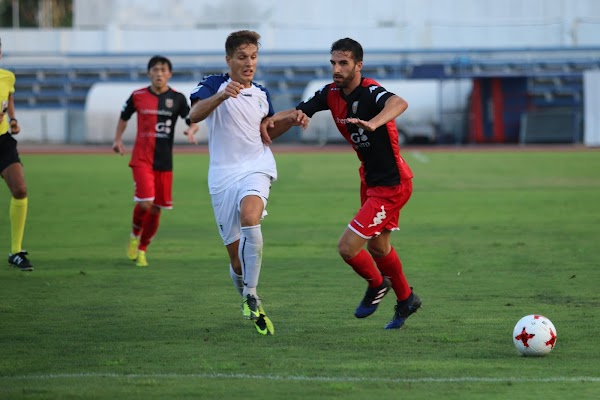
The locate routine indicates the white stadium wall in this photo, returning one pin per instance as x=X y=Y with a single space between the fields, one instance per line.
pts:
x=125 y=26
x=43 y=126
x=103 y=108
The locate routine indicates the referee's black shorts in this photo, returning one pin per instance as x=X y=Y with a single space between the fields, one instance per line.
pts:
x=8 y=151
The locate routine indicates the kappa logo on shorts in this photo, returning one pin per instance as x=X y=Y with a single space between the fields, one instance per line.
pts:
x=379 y=217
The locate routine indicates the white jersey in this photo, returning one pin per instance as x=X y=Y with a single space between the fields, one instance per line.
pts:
x=234 y=142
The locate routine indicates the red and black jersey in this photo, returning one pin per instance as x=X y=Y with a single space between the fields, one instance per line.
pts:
x=378 y=151
x=157 y=115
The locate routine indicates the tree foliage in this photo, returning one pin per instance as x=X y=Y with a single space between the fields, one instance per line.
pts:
x=37 y=13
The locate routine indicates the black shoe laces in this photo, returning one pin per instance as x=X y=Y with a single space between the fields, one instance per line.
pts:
x=252 y=303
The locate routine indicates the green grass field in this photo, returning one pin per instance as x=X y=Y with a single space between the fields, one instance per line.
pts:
x=488 y=237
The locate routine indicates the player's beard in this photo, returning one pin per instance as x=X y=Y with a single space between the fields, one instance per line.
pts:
x=345 y=81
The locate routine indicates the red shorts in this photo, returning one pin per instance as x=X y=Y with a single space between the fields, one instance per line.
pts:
x=380 y=209
x=153 y=186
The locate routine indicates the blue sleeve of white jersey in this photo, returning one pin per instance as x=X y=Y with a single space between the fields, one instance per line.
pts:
x=271 y=109
x=207 y=87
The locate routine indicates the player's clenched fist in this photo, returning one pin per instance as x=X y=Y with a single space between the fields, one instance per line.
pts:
x=232 y=89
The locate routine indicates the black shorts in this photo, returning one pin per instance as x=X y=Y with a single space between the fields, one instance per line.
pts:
x=8 y=151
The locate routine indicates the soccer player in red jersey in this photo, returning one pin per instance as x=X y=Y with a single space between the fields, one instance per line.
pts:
x=158 y=107
x=364 y=113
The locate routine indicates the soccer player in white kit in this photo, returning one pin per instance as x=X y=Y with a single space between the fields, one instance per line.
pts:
x=242 y=166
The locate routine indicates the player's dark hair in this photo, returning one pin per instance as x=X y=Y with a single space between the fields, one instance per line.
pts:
x=240 y=38
x=351 y=45
x=159 y=60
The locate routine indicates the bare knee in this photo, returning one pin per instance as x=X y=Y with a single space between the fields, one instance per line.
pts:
x=16 y=184
x=251 y=210
x=377 y=250
x=155 y=210
x=145 y=205
x=19 y=191
x=350 y=244
x=15 y=180
x=249 y=220
x=346 y=250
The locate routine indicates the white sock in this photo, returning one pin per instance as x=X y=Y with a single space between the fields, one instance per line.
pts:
x=237 y=280
x=247 y=290
x=250 y=253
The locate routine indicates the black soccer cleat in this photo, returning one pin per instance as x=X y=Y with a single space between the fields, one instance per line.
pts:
x=403 y=310
x=250 y=307
x=19 y=260
x=373 y=296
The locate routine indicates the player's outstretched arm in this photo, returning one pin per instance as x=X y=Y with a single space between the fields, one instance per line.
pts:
x=201 y=109
x=394 y=107
x=281 y=122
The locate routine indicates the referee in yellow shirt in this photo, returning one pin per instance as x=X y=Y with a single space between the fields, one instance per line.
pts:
x=11 y=170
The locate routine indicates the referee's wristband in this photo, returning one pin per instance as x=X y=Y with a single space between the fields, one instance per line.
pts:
x=13 y=119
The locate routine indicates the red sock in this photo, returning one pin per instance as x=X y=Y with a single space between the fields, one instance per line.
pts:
x=391 y=266
x=362 y=263
x=138 y=219
x=149 y=228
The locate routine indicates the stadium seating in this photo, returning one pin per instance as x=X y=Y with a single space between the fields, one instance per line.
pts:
x=553 y=80
x=556 y=91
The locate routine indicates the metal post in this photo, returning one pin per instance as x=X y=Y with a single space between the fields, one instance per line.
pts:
x=15 y=14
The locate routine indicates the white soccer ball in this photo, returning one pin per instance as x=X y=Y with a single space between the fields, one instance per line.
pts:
x=534 y=335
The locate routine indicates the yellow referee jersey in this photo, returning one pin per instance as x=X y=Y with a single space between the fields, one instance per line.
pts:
x=7 y=86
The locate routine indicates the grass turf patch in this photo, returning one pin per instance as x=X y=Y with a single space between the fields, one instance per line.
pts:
x=487 y=238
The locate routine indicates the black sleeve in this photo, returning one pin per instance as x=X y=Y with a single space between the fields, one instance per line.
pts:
x=128 y=109
x=316 y=103
x=184 y=110
x=380 y=96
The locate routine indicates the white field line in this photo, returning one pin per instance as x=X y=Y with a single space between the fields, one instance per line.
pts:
x=420 y=157
x=464 y=379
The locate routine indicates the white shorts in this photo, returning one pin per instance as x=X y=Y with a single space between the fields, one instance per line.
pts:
x=226 y=204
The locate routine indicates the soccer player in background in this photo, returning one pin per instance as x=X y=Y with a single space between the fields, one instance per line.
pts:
x=364 y=113
x=158 y=106
x=11 y=170
x=241 y=167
